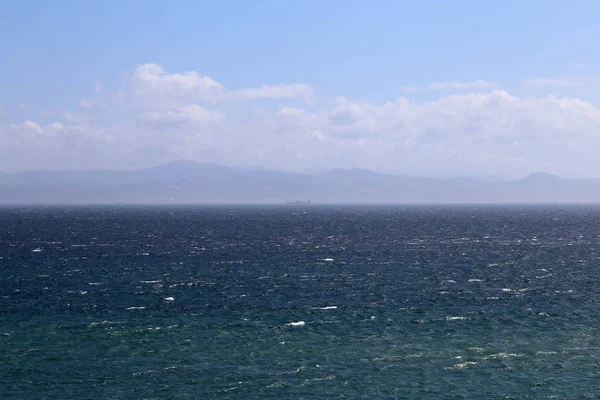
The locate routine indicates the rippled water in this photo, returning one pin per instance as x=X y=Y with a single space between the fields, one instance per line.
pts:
x=300 y=303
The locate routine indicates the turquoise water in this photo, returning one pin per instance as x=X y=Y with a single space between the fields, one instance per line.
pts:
x=300 y=303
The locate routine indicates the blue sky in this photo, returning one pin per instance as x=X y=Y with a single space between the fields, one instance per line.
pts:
x=422 y=88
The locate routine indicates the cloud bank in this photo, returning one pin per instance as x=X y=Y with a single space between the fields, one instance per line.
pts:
x=470 y=128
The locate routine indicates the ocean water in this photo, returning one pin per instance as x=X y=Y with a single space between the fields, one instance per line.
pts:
x=300 y=302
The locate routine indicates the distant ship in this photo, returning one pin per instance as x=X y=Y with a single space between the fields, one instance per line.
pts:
x=298 y=202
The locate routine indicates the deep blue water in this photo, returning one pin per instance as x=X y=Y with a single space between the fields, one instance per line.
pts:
x=300 y=302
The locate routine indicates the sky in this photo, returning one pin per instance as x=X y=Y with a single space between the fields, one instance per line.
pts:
x=428 y=88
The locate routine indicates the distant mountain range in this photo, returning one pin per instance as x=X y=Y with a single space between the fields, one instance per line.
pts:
x=202 y=183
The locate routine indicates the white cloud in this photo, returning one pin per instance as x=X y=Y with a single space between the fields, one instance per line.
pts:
x=191 y=114
x=495 y=133
x=55 y=126
x=317 y=134
x=150 y=80
x=187 y=115
x=550 y=82
x=27 y=127
x=151 y=85
x=461 y=86
x=274 y=92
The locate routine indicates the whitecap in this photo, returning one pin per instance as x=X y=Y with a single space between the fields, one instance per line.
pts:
x=157 y=281
x=135 y=308
x=328 y=259
x=478 y=349
x=326 y=308
x=462 y=365
x=169 y=298
x=297 y=370
x=36 y=250
x=455 y=318
x=99 y=323
x=298 y=323
x=389 y=358
x=325 y=378
x=150 y=371
x=502 y=356
x=475 y=280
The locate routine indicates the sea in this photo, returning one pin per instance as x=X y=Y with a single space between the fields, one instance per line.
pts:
x=300 y=302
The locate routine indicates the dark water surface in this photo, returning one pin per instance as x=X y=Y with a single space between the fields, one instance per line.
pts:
x=300 y=303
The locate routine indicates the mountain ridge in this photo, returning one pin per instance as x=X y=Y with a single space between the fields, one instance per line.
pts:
x=186 y=181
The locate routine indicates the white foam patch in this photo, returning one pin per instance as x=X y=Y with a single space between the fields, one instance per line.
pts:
x=499 y=356
x=135 y=308
x=328 y=259
x=298 y=323
x=462 y=365
x=36 y=250
x=477 y=349
x=325 y=378
x=455 y=318
x=297 y=370
x=169 y=299
x=326 y=308
x=508 y=290
x=100 y=323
